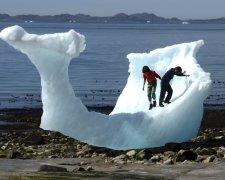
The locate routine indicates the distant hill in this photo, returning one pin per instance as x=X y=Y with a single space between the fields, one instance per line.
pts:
x=118 y=18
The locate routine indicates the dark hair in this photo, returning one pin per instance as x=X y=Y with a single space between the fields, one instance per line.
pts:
x=178 y=69
x=145 y=69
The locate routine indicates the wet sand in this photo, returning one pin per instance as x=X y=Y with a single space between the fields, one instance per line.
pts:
x=213 y=119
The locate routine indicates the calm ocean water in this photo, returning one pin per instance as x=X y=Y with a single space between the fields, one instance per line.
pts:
x=99 y=74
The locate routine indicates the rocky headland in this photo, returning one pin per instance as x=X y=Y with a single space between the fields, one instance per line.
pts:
x=117 y=18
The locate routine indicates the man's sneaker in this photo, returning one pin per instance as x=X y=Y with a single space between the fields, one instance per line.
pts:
x=167 y=102
x=161 y=105
x=151 y=106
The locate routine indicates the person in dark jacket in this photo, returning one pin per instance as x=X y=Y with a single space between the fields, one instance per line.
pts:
x=165 y=84
x=150 y=76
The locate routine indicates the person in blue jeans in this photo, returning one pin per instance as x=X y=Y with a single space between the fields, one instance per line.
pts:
x=165 y=84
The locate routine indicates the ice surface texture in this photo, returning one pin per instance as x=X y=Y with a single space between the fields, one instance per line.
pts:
x=131 y=125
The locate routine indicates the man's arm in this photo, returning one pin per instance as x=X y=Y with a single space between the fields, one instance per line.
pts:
x=181 y=74
x=143 y=88
x=157 y=76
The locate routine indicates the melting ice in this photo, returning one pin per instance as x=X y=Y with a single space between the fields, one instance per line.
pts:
x=130 y=125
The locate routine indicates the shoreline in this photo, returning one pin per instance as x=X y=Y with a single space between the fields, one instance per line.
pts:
x=212 y=118
x=25 y=149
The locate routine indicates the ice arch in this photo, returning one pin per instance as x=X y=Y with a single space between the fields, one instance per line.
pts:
x=130 y=125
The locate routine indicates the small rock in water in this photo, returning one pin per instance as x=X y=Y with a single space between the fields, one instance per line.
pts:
x=90 y=168
x=79 y=169
x=49 y=168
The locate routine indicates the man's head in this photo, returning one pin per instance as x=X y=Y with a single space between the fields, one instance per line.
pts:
x=178 y=70
x=145 y=69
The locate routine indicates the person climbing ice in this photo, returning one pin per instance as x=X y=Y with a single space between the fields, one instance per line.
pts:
x=165 y=84
x=150 y=76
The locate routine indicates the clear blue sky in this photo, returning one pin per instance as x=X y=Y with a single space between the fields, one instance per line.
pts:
x=183 y=9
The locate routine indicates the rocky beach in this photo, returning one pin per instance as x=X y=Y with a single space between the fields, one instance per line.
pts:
x=26 y=151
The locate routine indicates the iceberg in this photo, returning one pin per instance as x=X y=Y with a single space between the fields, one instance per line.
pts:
x=130 y=125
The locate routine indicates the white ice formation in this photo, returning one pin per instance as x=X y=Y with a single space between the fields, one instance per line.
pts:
x=131 y=125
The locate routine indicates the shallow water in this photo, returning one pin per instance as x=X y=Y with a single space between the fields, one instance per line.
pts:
x=28 y=169
x=86 y=176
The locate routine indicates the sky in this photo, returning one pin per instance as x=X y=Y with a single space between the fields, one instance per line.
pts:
x=182 y=9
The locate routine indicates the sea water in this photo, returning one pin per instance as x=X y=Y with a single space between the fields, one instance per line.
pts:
x=99 y=74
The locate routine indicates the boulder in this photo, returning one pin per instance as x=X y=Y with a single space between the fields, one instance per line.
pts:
x=13 y=154
x=34 y=138
x=131 y=153
x=186 y=155
x=144 y=154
